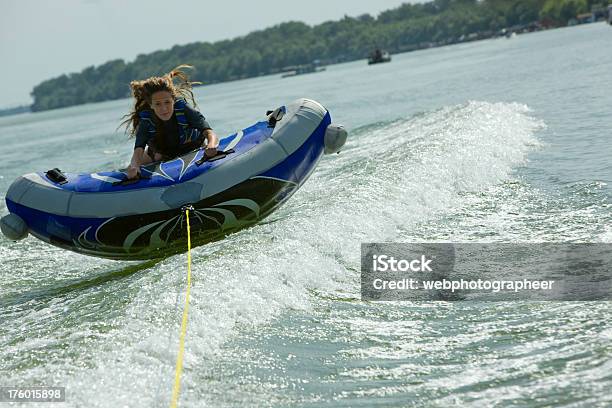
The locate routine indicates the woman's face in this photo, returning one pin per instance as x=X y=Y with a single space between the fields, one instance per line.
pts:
x=162 y=104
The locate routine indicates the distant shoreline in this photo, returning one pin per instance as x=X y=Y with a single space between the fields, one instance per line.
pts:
x=58 y=92
x=426 y=45
x=16 y=110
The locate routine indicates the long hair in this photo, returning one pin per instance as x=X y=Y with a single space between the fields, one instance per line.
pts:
x=143 y=90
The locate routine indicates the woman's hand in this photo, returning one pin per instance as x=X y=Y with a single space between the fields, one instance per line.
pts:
x=212 y=142
x=210 y=151
x=133 y=169
x=133 y=172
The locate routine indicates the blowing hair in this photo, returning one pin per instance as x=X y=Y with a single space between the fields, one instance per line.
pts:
x=176 y=82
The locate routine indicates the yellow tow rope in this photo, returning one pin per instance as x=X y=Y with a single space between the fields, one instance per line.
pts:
x=179 y=357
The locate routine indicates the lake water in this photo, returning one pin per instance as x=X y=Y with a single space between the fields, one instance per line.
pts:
x=492 y=141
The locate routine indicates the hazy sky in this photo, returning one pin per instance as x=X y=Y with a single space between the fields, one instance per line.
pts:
x=44 y=39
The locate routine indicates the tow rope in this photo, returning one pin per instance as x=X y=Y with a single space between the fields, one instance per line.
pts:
x=181 y=351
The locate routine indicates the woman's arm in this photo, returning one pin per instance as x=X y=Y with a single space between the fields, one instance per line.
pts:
x=139 y=157
x=197 y=120
x=212 y=142
x=133 y=169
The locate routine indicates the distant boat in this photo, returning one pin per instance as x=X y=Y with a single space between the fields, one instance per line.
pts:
x=378 y=56
x=294 y=70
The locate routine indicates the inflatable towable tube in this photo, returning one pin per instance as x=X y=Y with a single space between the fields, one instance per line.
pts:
x=103 y=214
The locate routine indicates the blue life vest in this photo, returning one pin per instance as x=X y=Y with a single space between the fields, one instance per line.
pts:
x=186 y=133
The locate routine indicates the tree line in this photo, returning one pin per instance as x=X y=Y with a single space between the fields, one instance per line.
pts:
x=405 y=28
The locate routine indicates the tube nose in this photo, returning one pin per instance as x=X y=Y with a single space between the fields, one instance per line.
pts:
x=335 y=137
x=13 y=227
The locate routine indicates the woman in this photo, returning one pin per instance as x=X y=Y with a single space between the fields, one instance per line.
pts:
x=164 y=124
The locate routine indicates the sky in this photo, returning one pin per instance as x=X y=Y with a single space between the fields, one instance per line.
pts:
x=42 y=39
